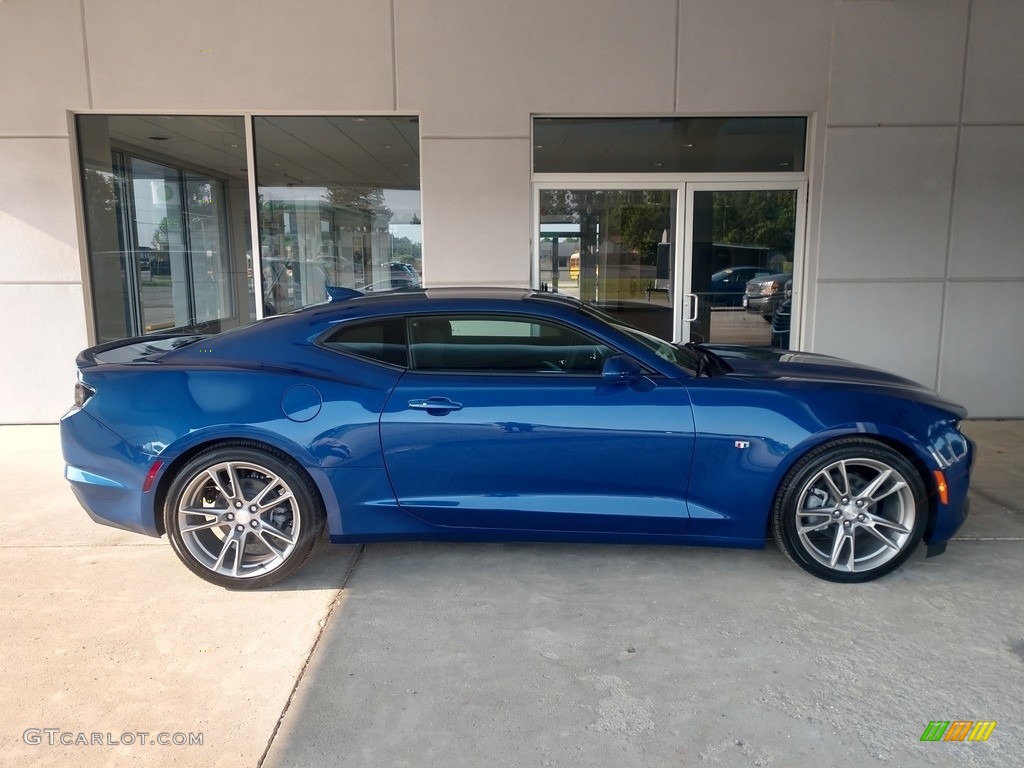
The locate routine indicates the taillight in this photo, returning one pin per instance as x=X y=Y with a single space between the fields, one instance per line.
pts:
x=82 y=393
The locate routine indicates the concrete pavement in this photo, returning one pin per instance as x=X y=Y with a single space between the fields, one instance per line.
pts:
x=518 y=654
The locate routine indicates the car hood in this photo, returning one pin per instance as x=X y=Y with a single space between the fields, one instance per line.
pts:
x=784 y=365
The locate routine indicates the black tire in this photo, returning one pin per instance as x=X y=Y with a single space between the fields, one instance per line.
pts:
x=831 y=519
x=242 y=517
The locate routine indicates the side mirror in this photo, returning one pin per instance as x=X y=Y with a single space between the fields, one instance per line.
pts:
x=621 y=368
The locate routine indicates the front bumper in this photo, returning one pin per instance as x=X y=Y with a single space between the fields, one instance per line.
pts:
x=951 y=516
x=760 y=305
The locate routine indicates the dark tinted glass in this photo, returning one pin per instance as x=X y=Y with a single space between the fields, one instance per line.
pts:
x=669 y=144
x=381 y=340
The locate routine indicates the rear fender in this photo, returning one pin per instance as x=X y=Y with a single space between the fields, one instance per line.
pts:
x=194 y=443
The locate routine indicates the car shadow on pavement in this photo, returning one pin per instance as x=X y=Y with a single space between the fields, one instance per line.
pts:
x=328 y=566
x=466 y=654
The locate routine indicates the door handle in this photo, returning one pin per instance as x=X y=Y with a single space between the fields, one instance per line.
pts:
x=692 y=298
x=435 y=405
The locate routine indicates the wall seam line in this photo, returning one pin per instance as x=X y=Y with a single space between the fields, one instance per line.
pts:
x=394 y=55
x=943 y=320
x=85 y=54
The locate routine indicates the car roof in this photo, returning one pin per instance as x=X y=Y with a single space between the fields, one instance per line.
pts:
x=414 y=296
x=309 y=322
x=411 y=300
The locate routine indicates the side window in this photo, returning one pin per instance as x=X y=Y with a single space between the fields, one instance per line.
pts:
x=502 y=345
x=382 y=340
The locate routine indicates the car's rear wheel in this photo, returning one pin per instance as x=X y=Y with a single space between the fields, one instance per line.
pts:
x=850 y=511
x=242 y=517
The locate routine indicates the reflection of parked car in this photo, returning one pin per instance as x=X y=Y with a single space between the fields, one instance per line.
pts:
x=403 y=276
x=764 y=294
x=382 y=286
x=727 y=285
x=781 y=319
x=159 y=264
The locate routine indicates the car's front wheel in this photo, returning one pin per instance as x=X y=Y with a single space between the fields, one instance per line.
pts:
x=850 y=511
x=242 y=517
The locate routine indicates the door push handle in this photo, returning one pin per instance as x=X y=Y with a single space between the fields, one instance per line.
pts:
x=693 y=301
x=439 y=405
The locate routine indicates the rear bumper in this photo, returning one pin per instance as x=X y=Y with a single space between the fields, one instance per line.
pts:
x=106 y=474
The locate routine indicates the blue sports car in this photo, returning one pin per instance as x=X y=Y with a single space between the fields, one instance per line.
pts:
x=502 y=414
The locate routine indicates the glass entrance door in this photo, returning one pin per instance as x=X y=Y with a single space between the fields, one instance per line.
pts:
x=613 y=248
x=742 y=245
x=730 y=283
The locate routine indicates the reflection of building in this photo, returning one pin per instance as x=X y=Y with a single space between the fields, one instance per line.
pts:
x=318 y=223
x=145 y=209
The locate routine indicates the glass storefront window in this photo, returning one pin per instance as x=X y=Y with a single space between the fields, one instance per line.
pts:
x=169 y=221
x=166 y=213
x=669 y=144
x=338 y=205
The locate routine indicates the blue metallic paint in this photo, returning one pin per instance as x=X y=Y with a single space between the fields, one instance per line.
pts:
x=522 y=451
x=666 y=458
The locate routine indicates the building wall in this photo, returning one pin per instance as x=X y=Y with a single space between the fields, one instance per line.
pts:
x=920 y=247
x=915 y=260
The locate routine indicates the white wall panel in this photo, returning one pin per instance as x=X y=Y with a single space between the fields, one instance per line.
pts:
x=994 y=91
x=988 y=211
x=898 y=62
x=885 y=202
x=480 y=68
x=893 y=326
x=327 y=55
x=476 y=211
x=739 y=57
x=476 y=70
x=38 y=229
x=42 y=67
x=38 y=374
x=983 y=349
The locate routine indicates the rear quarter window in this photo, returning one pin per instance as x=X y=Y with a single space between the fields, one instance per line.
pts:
x=382 y=340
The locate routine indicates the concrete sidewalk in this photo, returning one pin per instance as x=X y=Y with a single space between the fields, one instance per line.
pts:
x=450 y=655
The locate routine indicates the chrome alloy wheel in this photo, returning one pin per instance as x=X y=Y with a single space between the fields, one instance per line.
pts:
x=856 y=515
x=239 y=519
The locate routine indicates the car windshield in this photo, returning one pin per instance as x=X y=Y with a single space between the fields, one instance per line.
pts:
x=686 y=358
